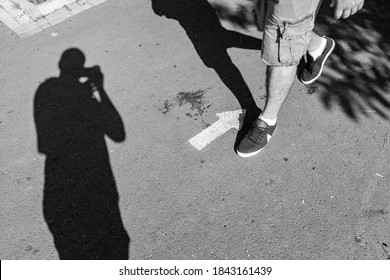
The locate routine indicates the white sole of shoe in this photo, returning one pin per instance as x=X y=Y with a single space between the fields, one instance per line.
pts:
x=250 y=154
x=322 y=65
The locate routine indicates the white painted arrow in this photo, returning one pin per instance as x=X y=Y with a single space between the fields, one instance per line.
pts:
x=227 y=120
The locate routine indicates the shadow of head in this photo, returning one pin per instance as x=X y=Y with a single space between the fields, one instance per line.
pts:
x=71 y=59
x=71 y=65
x=357 y=74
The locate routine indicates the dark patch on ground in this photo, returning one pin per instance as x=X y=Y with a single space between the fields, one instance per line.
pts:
x=167 y=106
x=31 y=249
x=195 y=99
x=311 y=88
x=384 y=247
x=374 y=213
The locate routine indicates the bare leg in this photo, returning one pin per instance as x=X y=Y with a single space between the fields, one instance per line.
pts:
x=314 y=43
x=279 y=81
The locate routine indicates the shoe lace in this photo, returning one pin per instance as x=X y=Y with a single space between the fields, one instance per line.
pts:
x=257 y=133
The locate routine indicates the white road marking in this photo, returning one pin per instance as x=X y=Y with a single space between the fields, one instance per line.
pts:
x=227 y=120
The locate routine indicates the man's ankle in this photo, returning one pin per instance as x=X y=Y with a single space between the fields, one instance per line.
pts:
x=268 y=121
x=316 y=53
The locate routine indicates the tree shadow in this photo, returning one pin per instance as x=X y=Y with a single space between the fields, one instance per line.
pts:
x=80 y=200
x=211 y=42
x=357 y=74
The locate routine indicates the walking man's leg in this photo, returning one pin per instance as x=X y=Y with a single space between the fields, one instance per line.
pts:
x=287 y=35
x=279 y=81
x=320 y=48
x=318 y=51
x=315 y=42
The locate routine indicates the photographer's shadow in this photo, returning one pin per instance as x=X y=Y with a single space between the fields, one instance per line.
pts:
x=80 y=202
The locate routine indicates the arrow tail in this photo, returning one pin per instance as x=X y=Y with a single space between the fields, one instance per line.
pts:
x=227 y=120
x=208 y=135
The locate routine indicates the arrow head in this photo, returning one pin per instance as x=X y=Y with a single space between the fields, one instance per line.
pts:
x=227 y=120
x=231 y=118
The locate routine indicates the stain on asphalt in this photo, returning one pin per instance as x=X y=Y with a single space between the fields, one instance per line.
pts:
x=28 y=248
x=195 y=99
x=358 y=239
x=384 y=247
x=270 y=182
x=312 y=88
x=387 y=252
x=167 y=106
x=31 y=249
x=375 y=213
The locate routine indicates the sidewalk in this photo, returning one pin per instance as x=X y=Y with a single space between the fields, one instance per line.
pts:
x=319 y=191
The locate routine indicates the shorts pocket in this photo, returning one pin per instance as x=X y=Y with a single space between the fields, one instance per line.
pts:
x=293 y=39
x=284 y=49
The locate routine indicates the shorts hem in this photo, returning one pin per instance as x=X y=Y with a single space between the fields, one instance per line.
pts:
x=295 y=63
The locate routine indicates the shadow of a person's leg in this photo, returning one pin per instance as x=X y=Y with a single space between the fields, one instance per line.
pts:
x=211 y=42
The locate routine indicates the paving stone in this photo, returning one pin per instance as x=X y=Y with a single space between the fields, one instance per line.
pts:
x=43 y=23
x=25 y=26
x=7 y=5
x=30 y=32
x=96 y=2
x=23 y=19
x=75 y=8
x=41 y=20
x=15 y=12
x=7 y=19
x=27 y=29
x=85 y=4
x=58 y=16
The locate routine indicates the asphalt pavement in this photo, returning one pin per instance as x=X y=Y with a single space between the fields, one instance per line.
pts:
x=320 y=190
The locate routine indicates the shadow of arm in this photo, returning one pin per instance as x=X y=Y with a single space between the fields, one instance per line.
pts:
x=112 y=123
x=45 y=120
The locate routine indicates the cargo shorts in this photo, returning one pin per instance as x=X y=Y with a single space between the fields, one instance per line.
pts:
x=287 y=26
